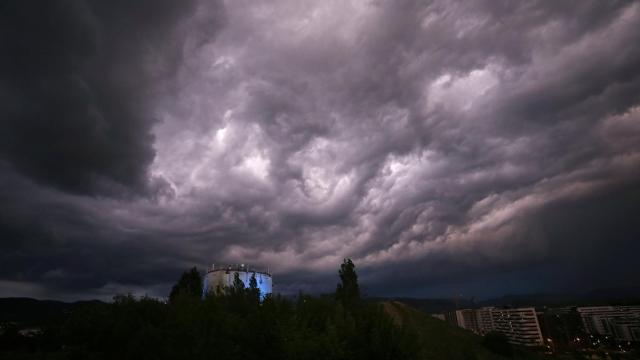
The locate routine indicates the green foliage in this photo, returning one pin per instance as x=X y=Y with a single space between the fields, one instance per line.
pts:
x=435 y=339
x=348 y=291
x=498 y=343
x=238 y=298
x=238 y=285
x=189 y=285
x=253 y=292
x=236 y=324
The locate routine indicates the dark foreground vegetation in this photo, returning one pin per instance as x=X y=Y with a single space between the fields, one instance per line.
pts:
x=236 y=324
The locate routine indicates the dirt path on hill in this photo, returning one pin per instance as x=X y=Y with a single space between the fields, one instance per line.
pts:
x=390 y=307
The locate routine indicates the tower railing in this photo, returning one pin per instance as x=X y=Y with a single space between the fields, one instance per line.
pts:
x=238 y=267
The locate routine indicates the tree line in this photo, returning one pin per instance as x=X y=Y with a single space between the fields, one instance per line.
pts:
x=233 y=324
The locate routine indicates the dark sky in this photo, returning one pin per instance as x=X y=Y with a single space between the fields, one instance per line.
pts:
x=474 y=147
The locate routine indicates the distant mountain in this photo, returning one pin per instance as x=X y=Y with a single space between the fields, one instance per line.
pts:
x=632 y=292
x=611 y=296
x=521 y=300
x=32 y=311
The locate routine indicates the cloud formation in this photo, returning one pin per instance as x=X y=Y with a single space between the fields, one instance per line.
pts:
x=441 y=145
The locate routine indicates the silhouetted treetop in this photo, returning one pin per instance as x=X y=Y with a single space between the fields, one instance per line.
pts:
x=348 y=291
x=189 y=285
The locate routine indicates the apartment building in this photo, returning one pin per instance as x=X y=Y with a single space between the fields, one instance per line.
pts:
x=485 y=320
x=620 y=322
x=519 y=325
x=467 y=319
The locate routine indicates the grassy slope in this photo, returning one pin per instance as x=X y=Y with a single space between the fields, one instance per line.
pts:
x=441 y=340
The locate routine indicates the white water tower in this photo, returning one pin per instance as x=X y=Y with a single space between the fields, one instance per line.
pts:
x=220 y=276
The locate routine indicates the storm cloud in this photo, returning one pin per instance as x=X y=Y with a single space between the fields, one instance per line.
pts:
x=480 y=147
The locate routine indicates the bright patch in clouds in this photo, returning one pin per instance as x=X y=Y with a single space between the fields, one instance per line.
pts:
x=257 y=166
x=461 y=92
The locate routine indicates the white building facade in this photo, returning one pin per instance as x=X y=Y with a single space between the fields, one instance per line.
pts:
x=519 y=325
x=219 y=277
x=620 y=322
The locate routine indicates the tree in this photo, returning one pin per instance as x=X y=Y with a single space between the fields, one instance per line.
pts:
x=189 y=285
x=348 y=291
x=232 y=325
x=498 y=343
x=254 y=291
x=238 y=284
x=237 y=289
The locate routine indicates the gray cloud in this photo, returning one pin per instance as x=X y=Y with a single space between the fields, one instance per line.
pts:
x=439 y=144
x=76 y=85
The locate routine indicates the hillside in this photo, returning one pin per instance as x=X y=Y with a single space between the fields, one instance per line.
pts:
x=440 y=340
x=36 y=312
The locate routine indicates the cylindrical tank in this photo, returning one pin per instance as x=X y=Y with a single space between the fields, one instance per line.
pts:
x=220 y=276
